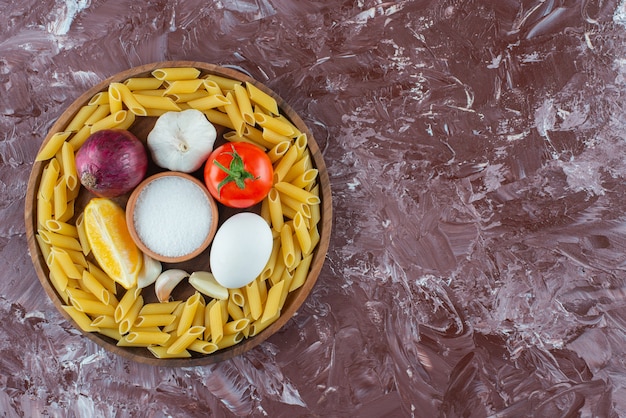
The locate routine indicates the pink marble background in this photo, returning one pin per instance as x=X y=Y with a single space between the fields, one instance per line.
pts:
x=476 y=153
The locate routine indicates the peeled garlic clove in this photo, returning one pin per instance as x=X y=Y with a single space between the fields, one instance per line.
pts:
x=150 y=270
x=205 y=283
x=167 y=281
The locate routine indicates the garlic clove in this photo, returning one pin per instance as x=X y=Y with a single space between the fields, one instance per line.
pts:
x=150 y=270
x=205 y=283
x=167 y=281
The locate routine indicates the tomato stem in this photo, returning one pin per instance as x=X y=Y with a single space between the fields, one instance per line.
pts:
x=236 y=172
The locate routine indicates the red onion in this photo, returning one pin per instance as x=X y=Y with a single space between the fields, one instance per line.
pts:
x=111 y=162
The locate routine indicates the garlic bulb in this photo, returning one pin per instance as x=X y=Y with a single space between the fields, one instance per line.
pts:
x=181 y=141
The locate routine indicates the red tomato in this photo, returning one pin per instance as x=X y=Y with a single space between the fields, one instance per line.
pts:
x=238 y=174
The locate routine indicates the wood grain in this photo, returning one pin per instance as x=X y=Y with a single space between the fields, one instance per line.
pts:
x=141 y=127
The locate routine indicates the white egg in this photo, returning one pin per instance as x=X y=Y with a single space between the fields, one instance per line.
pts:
x=240 y=250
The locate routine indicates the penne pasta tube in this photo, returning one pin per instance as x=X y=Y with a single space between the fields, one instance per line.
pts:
x=301 y=139
x=187 y=97
x=235 y=326
x=81 y=116
x=234 y=114
x=69 y=166
x=216 y=323
x=112 y=333
x=61 y=257
x=126 y=303
x=45 y=248
x=302 y=233
x=287 y=278
x=49 y=178
x=272 y=305
x=53 y=145
x=188 y=314
x=104 y=321
x=184 y=340
x=79 y=138
x=234 y=310
x=101 y=112
x=159 y=308
x=306 y=179
x=209 y=102
x=115 y=100
x=218 y=118
x=262 y=99
x=99 y=98
x=143 y=83
x=285 y=163
x=301 y=272
x=279 y=268
x=243 y=101
x=296 y=205
x=152 y=103
x=128 y=98
x=58 y=240
x=287 y=246
x=183 y=86
x=203 y=347
x=271 y=262
x=223 y=82
x=274 y=124
x=274 y=137
x=110 y=122
x=128 y=121
x=212 y=87
x=73 y=292
x=237 y=296
x=82 y=320
x=92 y=307
x=129 y=319
x=298 y=168
x=230 y=340
x=176 y=73
x=81 y=234
x=177 y=312
x=256 y=136
x=297 y=193
x=154 y=320
x=148 y=338
x=278 y=151
x=44 y=212
x=231 y=136
x=253 y=296
x=95 y=287
x=257 y=326
x=107 y=282
x=161 y=352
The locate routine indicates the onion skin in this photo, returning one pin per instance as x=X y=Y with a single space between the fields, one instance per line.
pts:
x=111 y=162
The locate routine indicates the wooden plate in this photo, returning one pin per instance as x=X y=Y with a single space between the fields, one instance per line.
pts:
x=141 y=128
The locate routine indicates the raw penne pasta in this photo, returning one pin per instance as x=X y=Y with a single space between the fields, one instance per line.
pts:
x=204 y=347
x=237 y=296
x=243 y=101
x=287 y=279
x=81 y=116
x=81 y=233
x=94 y=286
x=128 y=98
x=189 y=313
x=131 y=316
x=176 y=73
x=188 y=97
x=300 y=273
x=69 y=166
x=256 y=136
x=74 y=292
x=45 y=248
x=261 y=98
x=275 y=209
x=53 y=145
x=92 y=307
x=218 y=118
x=128 y=121
x=44 y=212
x=185 y=339
x=216 y=323
x=126 y=303
x=79 y=138
x=295 y=205
x=60 y=256
x=59 y=204
x=306 y=179
x=231 y=136
x=257 y=326
x=115 y=100
x=82 y=320
x=274 y=124
x=212 y=87
x=161 y=352
x=78 y=258
x=230 y=340
x=287 y=246
x=112 y=333
x=143 y=83
x=110 y=122
x=154 y=320
x=148 y=337
x=272 y=305
x=99 y=98
x=277 y=151
x=183 y=86
x=269 y=266
x=223 y=82
x=298 y=168
x=159 y=308
x=107 y=282
x=49 y=178
x=100 y=113
x=253 y=297
x=234 y=114
x=58 y=240
x=302 y=233
x=302 y=195
x=104 y=321
x=274 y=137
x=234 y=310
x=177 y=312
x=285 y=163
x=209 y=102
x=235 y=326
x=152 y=103
x=300 y=142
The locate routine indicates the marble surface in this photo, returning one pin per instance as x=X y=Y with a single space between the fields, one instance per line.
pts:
x=476 y=154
